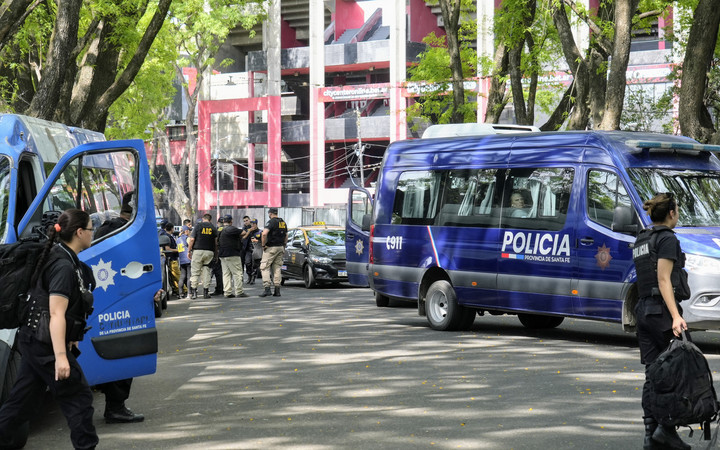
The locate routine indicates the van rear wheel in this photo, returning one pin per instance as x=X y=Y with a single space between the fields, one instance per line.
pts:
x=443 y=311
x=536 y=321
x=381 y=301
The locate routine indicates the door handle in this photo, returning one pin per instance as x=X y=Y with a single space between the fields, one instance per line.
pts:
x=350 y=236
x=587 y=241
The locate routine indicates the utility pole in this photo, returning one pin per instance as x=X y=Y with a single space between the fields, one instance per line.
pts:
x=217 y=181
x=359 y=148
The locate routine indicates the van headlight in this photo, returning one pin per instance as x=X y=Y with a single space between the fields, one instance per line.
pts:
x=702 y=265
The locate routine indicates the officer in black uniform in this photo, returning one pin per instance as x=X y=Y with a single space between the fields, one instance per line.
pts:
x=274 y=239
x=216 y=266
x=59 y=305
x=662 y=284
x=230 y=255
x=202 y=250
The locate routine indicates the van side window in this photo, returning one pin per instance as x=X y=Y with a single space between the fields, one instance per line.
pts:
x=359 y=207
x=102 y=182
x=605 y=192
x=537 y=198
x=416 y=197
x=470 y=198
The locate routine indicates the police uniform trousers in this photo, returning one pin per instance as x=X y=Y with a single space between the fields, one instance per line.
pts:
x=198 y=265
x=654 y=333
x=73 y=395
x=116 y=392
x=174 y=266
x=270 y=265
x=232 y=271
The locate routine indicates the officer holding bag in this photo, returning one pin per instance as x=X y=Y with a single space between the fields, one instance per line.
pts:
x=662 y=284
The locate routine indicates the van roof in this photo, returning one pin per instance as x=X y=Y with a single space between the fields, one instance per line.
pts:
x=608 y=147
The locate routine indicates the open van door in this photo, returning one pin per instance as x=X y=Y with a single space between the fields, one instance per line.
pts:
x=95 y=177
x=357 y=235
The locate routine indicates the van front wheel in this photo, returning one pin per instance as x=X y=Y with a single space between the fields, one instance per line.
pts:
x=442 y=309
x=536 y=321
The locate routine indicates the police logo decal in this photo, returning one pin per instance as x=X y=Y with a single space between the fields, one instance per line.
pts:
x=603 y=257
x=104 y=274
x=359 y=247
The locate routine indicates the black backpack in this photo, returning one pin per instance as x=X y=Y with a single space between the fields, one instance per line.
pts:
x=682 y=387
x=17 y=265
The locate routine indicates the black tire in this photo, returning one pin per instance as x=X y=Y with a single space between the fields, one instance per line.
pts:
x=19 y=436
x=382 y=301
x=535 y=321
x=158 y=309
x=442 y=310
x=164 y=301
x=309 y=277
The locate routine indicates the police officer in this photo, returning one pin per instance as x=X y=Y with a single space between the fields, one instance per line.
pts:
x=662 y=284
x=202 y=249
x=274 y=238
x=216 y=265
x=257 y=251
x=171 y=255
x=246 y=246
x=59 y=305
x=230 y=253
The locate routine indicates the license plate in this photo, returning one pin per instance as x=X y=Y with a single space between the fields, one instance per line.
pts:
x=283 y=267
x=342 y=273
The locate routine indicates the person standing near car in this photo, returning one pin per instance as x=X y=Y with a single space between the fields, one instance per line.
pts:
x=202 y=249
x=662 y=284
x=184 y=284
x=257 y=251
x=274 y=238
x=58 y=307
x=246 y=246
x=171 y=253
x=230 y=253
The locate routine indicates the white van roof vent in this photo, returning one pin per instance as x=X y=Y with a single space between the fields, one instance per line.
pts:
x=475 y=129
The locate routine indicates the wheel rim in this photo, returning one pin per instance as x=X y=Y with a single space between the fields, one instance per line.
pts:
x=436 y=307
x=306 y=277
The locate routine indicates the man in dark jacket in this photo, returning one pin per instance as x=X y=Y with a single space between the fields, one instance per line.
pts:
x=230 y=253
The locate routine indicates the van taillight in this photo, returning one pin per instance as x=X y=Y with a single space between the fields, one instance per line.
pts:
x=370 y=242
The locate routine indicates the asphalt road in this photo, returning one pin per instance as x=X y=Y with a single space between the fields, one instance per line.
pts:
x=327 y=369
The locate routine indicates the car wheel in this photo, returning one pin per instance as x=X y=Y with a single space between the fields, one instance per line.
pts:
x=158 y=309
x=308 y=277
x=443 y=311
x=382 y=301
x=536 y=321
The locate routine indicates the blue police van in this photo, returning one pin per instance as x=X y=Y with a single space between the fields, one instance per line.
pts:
x=540 y=225
x=45 y=166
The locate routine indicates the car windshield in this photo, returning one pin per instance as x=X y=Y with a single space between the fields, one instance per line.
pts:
x=4 y=195
x=696 y=192
x=327 y=237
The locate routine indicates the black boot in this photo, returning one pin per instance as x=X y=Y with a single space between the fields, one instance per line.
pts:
x=277 y=292
x=667 y=436
x=266 y=292
x=650 y=426
x=121 y=415
x=252 y=279
x=193 y=293
x=206 y=293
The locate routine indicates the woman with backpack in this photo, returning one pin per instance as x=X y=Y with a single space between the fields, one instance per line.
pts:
x=662 y=284
x=60 y=301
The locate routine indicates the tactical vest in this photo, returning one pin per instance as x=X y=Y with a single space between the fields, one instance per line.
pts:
x=38 y=312
x=645 y=259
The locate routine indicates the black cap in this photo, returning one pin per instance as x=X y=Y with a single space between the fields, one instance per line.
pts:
x=227 y=218
x=273 y=210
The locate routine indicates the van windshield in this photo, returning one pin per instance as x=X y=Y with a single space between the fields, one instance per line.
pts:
x=696 y=191
x=4 y=195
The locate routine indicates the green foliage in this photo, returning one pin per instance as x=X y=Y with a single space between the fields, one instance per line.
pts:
x=647 y=108
x=433 y=71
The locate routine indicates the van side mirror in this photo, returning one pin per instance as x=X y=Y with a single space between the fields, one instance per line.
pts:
x=623 y=221
x=366 y=222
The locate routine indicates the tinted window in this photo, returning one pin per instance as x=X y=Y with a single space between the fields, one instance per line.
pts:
x=470 y=199
x=327 y=237
x=537 y=198
x=416 y=198
x=605 y=192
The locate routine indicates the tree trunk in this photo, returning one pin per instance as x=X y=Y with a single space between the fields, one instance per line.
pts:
x=11 y=16
x=516 y=75
x=597 y=83
x=497 y=98
x=694 y=117
x=451 y=18
x=63 y=41
x=616 y=81
x=580 y=115
x=557 y=118
x=96 y=117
